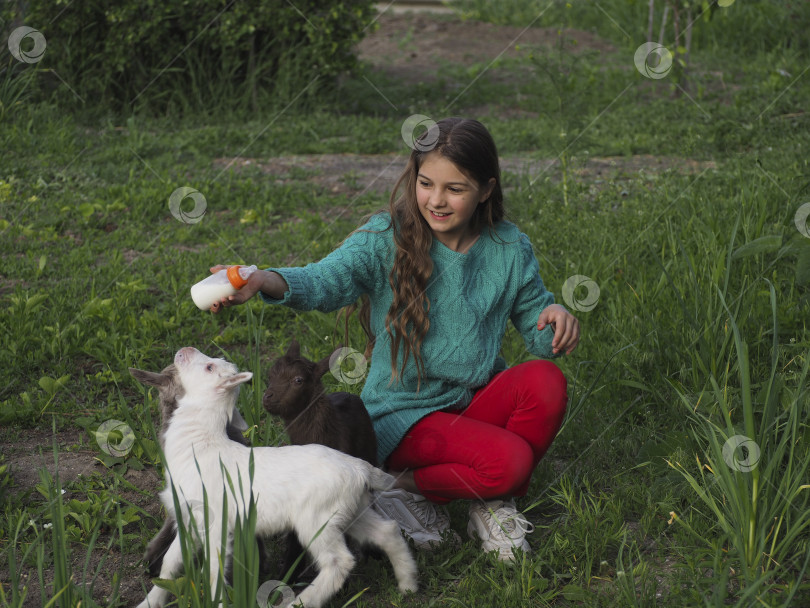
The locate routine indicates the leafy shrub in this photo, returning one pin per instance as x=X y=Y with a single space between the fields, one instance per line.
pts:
x=178 y=54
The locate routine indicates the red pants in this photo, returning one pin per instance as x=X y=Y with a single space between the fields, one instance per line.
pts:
x=489 y=449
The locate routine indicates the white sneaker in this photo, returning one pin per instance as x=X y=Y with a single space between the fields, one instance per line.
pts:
x=418 y=518
x=500 y=526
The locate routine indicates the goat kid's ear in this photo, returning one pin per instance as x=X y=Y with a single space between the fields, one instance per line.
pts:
x=321 y=367
x=236 y=380
x=294 y=350
x=149 y=378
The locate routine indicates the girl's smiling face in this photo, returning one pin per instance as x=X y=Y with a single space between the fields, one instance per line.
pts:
x=447 y=199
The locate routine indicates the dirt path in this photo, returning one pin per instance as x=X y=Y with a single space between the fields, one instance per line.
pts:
x=413 y=47
x=354 y=174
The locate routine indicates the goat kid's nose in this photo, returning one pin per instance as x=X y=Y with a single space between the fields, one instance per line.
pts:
x=184 y=354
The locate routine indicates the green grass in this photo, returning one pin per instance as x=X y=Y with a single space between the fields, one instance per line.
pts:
x=699 y=333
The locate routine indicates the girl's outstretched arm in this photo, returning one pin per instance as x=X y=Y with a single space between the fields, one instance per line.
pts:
x=359 y=265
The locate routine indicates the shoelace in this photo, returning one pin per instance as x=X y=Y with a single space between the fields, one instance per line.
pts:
x=510 y=522
x=426 y=512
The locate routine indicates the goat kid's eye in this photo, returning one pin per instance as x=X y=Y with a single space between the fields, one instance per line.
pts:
x=298 y=380
x=209 y=367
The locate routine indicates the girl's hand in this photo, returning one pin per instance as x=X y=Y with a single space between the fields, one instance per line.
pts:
x=253 y=286
x=565 y=326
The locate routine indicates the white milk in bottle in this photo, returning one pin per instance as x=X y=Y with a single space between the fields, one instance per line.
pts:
x=221 y=284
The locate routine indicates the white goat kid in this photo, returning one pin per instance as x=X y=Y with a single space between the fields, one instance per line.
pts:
x=316 y=491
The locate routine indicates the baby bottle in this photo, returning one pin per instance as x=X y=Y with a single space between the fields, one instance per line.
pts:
x=221 y=284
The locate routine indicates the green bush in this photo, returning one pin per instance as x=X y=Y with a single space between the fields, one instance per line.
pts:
x=208 y=55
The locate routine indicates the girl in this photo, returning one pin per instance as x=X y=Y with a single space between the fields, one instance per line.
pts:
x=441 y=273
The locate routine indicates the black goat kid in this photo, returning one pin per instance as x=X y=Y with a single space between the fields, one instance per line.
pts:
x=310 y=414
x=340 y=420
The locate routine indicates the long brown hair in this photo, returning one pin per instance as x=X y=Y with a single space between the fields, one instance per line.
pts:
x=468 y=145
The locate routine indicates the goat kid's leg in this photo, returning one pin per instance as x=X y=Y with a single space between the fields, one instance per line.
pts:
x=157 y=547
x=371 y=528
x=292 y=551
x=334 y=562
x=172 y=565
x=264 y=557
x=213 y=536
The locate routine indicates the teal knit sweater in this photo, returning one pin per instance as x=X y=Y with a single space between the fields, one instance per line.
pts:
x=471 y=296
